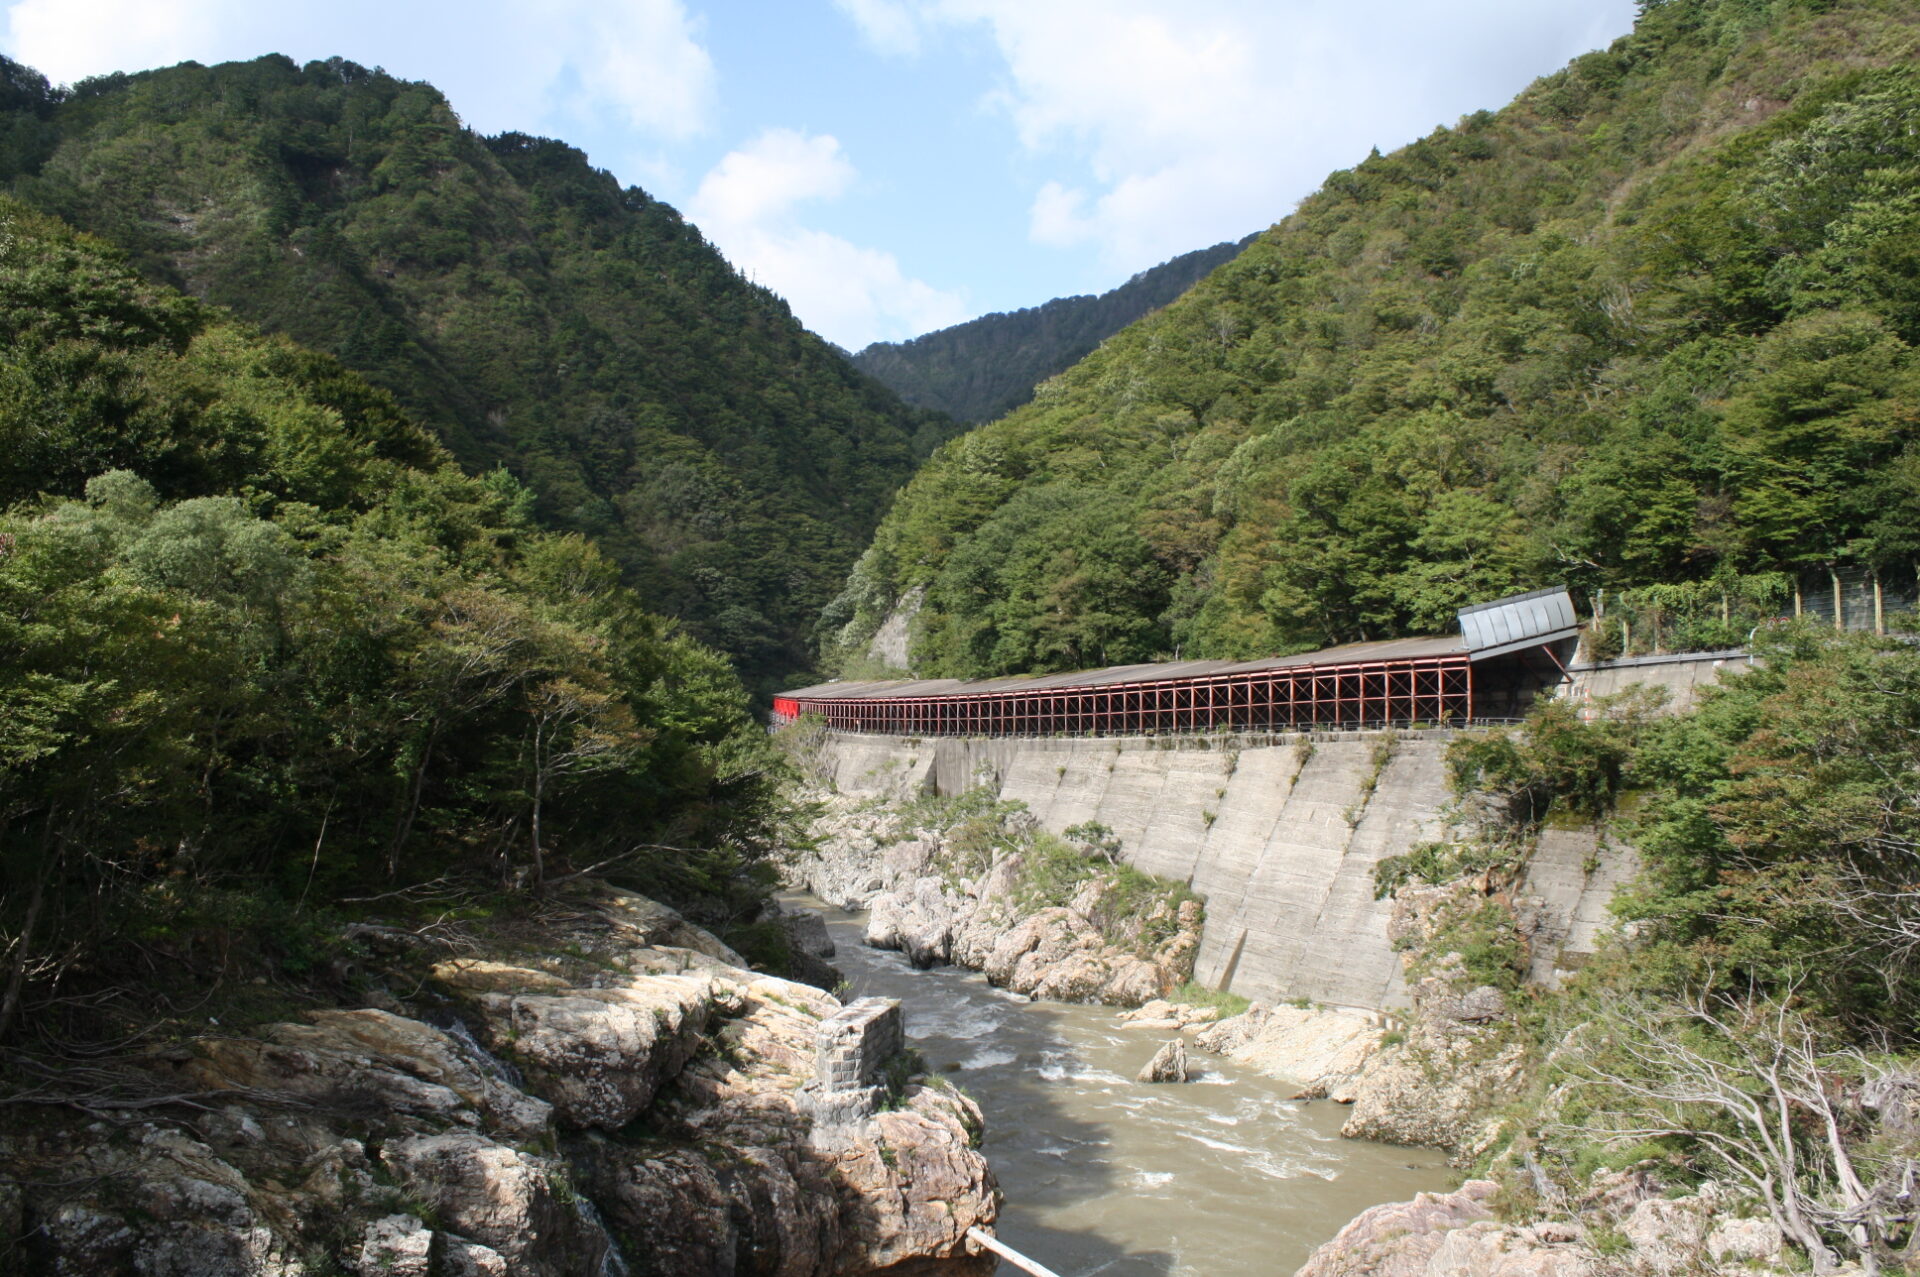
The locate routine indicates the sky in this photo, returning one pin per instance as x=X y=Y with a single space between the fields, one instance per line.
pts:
x=896 y=166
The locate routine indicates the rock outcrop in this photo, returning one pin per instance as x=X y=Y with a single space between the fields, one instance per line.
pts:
x=611 y=1090
x=1169 y=1063
x=1456 y=1235
x=1095 y=947
x=1435 y=1082
x=1323 y=1050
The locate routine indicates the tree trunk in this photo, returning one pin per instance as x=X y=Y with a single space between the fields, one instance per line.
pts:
x=533 y=824
x=17 y=978
x=1839 y=602
x=403 y=828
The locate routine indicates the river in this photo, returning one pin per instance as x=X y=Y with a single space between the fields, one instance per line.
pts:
x=1222 y=1176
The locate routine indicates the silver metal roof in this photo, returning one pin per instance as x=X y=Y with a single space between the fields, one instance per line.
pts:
x=1518 y=621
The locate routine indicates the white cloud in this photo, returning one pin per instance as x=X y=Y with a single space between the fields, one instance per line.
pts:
x=889 y=26
x=503 y=63
x=749 y=206
x=642 y=57
x=69 y=40
x=1168 y=124
x=774 y=172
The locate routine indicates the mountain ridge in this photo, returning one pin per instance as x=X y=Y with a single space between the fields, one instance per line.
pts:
x=520 y=302
x=989 y=366
x=1648 y=328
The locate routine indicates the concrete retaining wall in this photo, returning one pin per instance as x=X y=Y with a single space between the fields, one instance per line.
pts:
x=1681 y=675
x=1278 y=833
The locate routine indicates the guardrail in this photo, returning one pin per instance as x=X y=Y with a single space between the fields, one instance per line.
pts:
x=1009 y=1254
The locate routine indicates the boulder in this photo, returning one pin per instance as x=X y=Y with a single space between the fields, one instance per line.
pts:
x=498 y=1196
x=1324 y=1050
x=1667 y=1233
x=917 y=919
x=1169 y=1064
x=1497 y=1250
x=410 y=1048
x=396 y=1246
x=464 y=1258
x=1737 y=1241
x=807 y=931
x=1397 y=1239
x=599 y=1055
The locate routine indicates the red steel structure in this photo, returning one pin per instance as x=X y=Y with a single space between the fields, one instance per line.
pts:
x=1510 y=642
x=1434 y=687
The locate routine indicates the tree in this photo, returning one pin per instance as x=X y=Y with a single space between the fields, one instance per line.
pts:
x=1747 y=1084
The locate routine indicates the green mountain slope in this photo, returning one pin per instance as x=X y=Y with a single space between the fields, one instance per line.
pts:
x=513 y=298
x=275 y=647
x=1651 y=325
x=987 y=367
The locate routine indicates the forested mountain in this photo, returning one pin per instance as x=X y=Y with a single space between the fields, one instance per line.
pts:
x=266 y=644
x=989 y=366
x=1651 y=325
x=515 y=300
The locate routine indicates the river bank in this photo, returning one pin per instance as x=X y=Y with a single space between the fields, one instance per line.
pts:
x=585 y=1084
x=976 y=882
x=1225 y=1175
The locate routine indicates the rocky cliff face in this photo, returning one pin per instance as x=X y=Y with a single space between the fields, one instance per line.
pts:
x=1439 y=1079
x=1109 y=940
x=1279 y=836
x=600 y=1088
x=1624 y=1226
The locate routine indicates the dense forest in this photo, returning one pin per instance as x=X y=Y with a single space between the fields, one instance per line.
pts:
x=265 y=645
x=1650 y=327
x=513 y=299
x=987 y=367
x=1754 y=1018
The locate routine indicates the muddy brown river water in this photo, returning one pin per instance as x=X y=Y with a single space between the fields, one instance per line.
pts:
x=1223 y=1176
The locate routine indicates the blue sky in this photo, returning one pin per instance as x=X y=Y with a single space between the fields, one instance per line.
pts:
x=894 y=166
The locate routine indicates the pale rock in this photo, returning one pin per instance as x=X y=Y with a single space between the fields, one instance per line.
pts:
x=396 y=1246
x=909 y=858
x=1437 y=1091
x=808 y=932
x=464 y=1258
x=318 y=1065
x=498 y=1196
x=600 y=1054
x=1733 y=1241
x=1492 y=1250
x=890 y=641
x=917 y=919
x=262 y=1189
x=1323 y=1050
x=1618 y=1192
x=1169 y=1064
x=477 y=975
x=1667 y=1233
x=1481 y=1005
x=1001 y=879
x=634 y=921
x=1398 y=1238
x=409 y=1048
x=1161 y=1014
x=862 y=858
